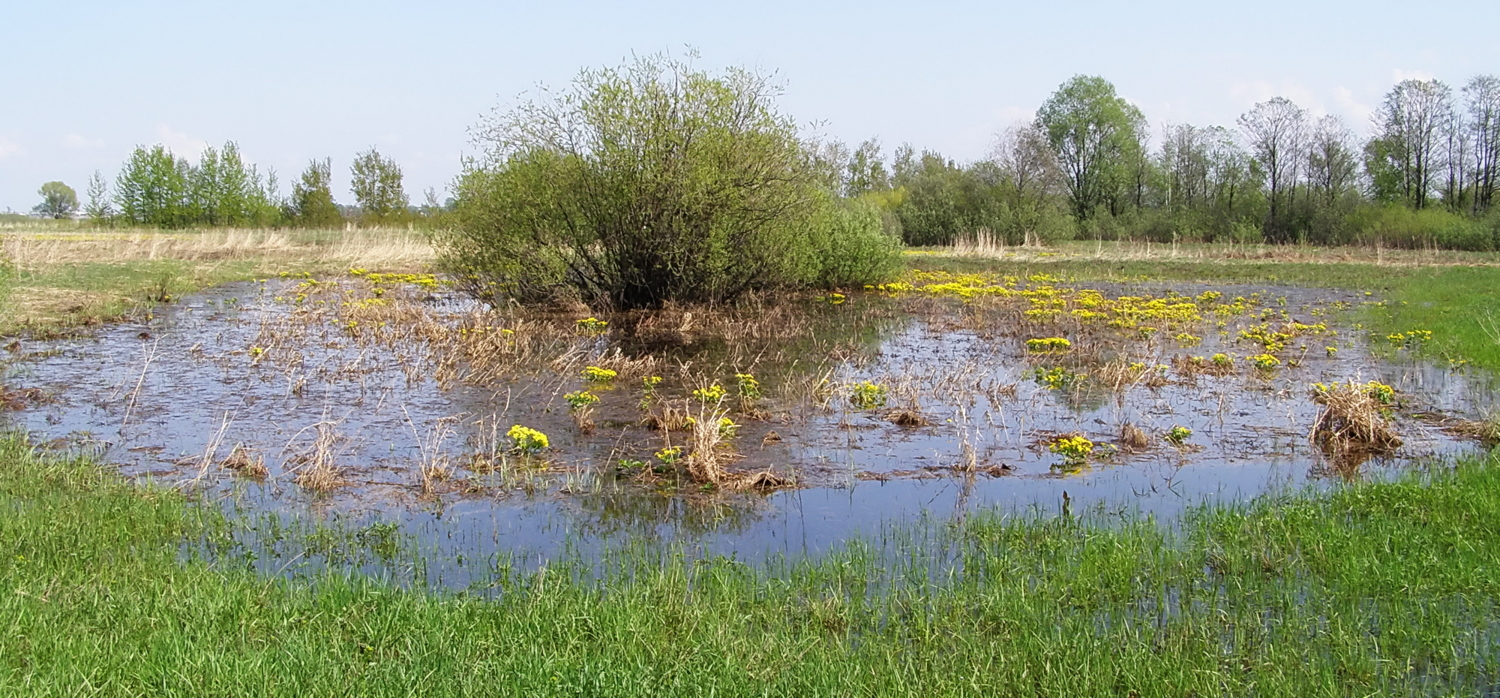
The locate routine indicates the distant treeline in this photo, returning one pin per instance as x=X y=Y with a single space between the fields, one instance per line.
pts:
x=1083 y=169
x=157 y=188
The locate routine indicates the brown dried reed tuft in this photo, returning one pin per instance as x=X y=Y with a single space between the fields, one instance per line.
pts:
x=318 y=470
x=1351 y=421
x=1133 y=438
x=908 y=418
x=21 y=398
x=1486 y=430
x=706 y=455
x=246 y=461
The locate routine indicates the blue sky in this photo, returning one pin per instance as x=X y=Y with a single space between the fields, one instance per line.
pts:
x=81 y=83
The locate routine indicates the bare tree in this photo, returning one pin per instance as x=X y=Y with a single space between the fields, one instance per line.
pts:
x=1277 y=133
x=1456 y=139
x=1186 y=165
x=1026 y=161
x=1483 y=97
x=1332 y=164
x=1412 y=123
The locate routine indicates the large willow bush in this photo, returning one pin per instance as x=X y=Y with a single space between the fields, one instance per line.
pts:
x=654 y=183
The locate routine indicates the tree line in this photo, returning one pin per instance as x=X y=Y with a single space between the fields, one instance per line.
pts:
x=157 y=188
x=1084 y=168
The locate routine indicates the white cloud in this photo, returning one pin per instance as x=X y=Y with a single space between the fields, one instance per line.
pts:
x=1398 y=75
x=181 y=144
x=77 y=142
x=1354 y=108
x=8 y=148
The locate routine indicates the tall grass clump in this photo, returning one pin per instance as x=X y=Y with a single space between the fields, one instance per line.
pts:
x=654 y=183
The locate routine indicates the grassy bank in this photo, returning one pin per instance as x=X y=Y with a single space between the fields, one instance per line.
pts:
x=1376 y=588
x=54 y=277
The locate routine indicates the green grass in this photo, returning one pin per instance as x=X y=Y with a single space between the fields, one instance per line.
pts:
x=1373 y=589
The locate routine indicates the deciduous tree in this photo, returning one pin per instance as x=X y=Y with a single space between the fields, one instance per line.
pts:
x=376 y=182
x=1095 y=135
x=58 y=200
x=1411 y=125
x=312 y=205
x=1277 y=132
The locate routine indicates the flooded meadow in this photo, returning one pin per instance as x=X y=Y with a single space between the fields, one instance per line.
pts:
x=398 y=408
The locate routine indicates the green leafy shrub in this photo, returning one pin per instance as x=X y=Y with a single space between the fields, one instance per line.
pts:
x=1402 y=227
x=651 y=183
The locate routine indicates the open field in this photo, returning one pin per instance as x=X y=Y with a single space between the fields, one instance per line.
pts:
x=302 y=486
x=58 y=276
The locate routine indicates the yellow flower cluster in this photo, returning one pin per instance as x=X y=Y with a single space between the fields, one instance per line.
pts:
x=749 y=386
x=1048 y=345
x=594 y=374
x=1074 y=449
x=712 y=393
x=422 y=280
x=1265 y=362
x=1409 y=339
x=527 y=440
x=581 y=399
x=1058 y=378
x=1178 y=435
x=868 y=395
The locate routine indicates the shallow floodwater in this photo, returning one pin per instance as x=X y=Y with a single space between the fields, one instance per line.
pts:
x=170 y=398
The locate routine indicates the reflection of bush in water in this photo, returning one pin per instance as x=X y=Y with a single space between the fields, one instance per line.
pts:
x=643 y=513
x=807 y=335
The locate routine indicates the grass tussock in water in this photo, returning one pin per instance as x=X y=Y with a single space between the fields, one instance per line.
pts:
x=1374 y=588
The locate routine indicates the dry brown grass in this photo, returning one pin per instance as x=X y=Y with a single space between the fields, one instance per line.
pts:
x=667 y=418
x=1485 y=430
x=1352 y=421
x=246 y=461
x=984 y=243
x=1133 y=438
x=706 y=453
x=434 y=467
x=1229 y=253
x=317 y=469
x=908 y=418
x=385 y=249
x=21 y=398
x=147 y=266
